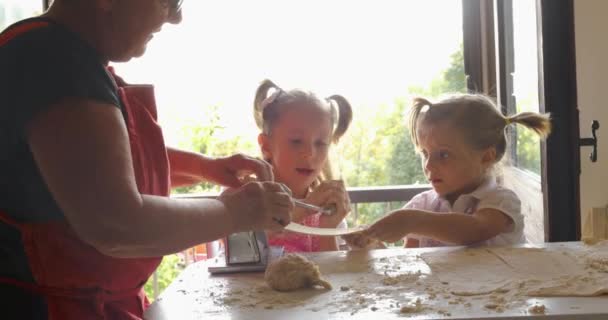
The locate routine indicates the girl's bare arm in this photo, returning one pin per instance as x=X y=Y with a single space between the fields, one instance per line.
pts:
x=454 y=228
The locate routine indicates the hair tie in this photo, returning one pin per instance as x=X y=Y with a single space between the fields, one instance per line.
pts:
x=508 y=121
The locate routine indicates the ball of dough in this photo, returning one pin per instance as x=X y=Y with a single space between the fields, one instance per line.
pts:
x=293 y=272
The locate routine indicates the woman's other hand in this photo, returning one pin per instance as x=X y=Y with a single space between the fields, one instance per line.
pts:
x=230 y=171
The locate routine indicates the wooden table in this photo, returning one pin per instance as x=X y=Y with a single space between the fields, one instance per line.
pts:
x=373 y=284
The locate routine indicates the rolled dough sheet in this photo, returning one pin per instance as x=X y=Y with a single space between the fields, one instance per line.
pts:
x=570 y=286
x=298 y=228
x=469 y=272
x=533 y=271
x=539 y=263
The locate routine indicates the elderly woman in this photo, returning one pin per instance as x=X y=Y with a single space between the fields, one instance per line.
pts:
x=85 y=216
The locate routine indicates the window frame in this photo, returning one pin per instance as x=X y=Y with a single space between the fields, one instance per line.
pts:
x=479 y=49
x=561 y=152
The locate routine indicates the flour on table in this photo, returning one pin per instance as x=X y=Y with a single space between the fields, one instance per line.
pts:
x=537 y=309
x=416 y=283
x=413 y=307
x=598 y=261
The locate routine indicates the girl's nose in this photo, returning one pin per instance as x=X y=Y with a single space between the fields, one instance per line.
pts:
x=308 y=151
x=429 y=163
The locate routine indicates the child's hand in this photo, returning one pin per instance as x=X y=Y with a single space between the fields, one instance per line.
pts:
x=390 y=228
x=360 y=240
x=330 y=193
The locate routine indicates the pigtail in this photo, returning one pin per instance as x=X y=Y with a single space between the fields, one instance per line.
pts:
x=415 y=111
x=540 y=123
x=345 y=115
x=261 y=94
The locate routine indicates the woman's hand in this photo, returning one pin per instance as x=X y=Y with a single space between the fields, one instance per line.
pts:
x=330 y=194
x=188 y=168
x=230 y=171
x=258 y=206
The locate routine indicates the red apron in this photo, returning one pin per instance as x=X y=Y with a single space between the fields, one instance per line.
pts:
x=77 y=281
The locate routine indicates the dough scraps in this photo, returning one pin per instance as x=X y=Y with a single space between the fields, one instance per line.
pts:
x=293 y=272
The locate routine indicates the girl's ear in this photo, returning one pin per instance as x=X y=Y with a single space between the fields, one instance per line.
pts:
x=264 y=143
x=488 y=157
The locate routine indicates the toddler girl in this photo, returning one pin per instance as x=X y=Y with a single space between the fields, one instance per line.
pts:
x=460 y=140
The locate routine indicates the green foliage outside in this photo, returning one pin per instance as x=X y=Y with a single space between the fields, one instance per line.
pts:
x=379 y=151
x=167 y=271
x=528 y=146
x=202 y=135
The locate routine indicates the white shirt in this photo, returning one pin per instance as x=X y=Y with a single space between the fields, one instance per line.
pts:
x=488 y=195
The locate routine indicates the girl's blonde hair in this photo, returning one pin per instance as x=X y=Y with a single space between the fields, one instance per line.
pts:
x=478 y=119
x=267 y=109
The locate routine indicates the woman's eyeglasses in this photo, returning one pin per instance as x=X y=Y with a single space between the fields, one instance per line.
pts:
x=175 y=5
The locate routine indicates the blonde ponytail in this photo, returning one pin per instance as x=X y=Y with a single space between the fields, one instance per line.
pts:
x=345 y=115
x=417 y=106
x=540 y=123
x=478 y=119
x=261 y=94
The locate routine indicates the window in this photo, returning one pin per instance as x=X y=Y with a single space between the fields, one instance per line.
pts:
x=376 y=54
x=12 y=11
x=523 y=91
x=520 y=87
x=503 y=62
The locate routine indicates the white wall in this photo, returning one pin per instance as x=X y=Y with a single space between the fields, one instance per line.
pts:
x=591 y=24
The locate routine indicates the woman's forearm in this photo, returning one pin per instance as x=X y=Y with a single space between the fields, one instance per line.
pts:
x=161 y=226
x=186 y=167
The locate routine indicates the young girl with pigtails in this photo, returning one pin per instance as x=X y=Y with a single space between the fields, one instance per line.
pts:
x=460 y=140
x=297 y=130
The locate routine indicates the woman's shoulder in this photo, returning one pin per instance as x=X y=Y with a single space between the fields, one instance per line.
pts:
x=40 y=40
